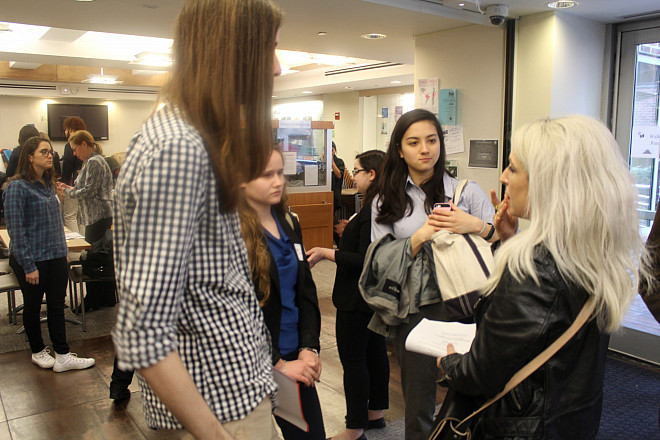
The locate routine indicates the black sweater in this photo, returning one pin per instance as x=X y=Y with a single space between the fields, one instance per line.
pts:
x=350 y=258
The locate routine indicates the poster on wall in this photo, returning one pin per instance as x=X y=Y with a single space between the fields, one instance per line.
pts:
x=398 y=111
x=427 y=91
x=447 y=106
x=453 y=135
x=645 y=142
x=289 y=159
x=311 y=175
x=483 y=154
x=452 y=167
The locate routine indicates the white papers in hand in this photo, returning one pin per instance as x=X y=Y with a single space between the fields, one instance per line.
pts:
x=289 y=406
x=431 y=337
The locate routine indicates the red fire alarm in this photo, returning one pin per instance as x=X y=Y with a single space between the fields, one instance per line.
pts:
x=336 y=116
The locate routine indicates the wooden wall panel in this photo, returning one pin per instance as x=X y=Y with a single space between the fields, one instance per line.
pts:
x=45 y=72
x=315 y=211
x=75 y=74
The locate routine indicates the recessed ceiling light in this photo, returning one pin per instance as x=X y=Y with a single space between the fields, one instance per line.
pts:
x=562 y=4
x=84 y=0
x=322 y=34
x=153 y=59
x=461 y=4
x=374 y=36
x=102 y=79
x=395 y=82
x=348 y=87
x=306 y=92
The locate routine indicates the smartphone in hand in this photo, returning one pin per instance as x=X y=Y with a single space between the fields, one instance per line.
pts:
x=442 y=206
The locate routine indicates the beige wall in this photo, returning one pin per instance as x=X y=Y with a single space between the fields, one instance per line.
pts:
x=347 y=134
x=559 y=67
x=470 y=59
x=124 y=119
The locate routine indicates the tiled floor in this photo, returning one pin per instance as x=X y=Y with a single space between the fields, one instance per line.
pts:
x=40 y=404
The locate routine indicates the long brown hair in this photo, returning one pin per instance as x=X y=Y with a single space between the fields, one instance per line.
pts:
x=24 y=169
x=395 y=203
x=253 y=235
x=222 y=79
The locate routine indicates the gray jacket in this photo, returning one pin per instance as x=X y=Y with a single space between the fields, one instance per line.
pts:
x=394 y=284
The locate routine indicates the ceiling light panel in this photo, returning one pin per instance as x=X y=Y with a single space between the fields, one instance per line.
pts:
x=122 y=46
x=21 y=34
x=62 y=35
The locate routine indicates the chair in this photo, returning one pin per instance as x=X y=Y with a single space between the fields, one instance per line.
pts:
x=9 y=284
x=77 y=280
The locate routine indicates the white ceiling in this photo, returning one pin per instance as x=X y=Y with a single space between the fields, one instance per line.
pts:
x=343 y=20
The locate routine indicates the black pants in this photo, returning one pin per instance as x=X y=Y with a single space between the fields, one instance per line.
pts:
x=96 y=231
x=363 y=356
x=121 y=379
x=419 y=375
x=53 y=275
x=309 y=400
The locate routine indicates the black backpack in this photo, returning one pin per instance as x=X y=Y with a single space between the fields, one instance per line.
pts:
x=98 y=261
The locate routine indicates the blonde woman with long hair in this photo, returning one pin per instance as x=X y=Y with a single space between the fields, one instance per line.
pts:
x=567 y=177
x=93 y=186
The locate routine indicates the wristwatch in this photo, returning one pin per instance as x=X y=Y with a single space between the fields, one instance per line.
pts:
x=313 y=350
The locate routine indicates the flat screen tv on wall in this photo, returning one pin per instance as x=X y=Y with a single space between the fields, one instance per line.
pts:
x=94 y=115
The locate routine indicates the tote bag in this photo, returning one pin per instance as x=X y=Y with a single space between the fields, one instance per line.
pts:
x=463 y=263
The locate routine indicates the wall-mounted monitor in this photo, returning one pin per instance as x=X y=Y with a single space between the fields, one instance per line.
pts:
x=94 y=115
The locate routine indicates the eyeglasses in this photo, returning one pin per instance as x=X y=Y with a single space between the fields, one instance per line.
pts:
x=356 y=171
x=45 y=152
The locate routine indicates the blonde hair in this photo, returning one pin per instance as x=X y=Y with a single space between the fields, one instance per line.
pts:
x=222 y=79
x=80 y=136
x=582 y=205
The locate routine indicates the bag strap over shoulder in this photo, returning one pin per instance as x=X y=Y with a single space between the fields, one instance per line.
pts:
x=459 y=190
x=539 y=360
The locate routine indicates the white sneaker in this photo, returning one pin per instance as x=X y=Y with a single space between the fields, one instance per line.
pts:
x=43 y=359
x=71 y=361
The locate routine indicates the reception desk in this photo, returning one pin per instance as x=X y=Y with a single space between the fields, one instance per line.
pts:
x=315 y=212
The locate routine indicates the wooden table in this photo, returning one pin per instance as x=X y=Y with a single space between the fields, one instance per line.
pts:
x=74 y=245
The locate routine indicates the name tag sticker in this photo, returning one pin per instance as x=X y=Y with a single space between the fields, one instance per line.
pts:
x=299 y=251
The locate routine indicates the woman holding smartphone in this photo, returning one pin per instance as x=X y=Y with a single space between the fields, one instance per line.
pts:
x=414 y=180
x=93 y=186
x=285 y=288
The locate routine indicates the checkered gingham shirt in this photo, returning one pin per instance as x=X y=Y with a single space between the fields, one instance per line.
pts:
x=183 y=275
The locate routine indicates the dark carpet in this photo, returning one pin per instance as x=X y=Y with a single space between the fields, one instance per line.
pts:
x=631 y=401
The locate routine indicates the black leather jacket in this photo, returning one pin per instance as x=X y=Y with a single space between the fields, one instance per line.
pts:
x=562 y=399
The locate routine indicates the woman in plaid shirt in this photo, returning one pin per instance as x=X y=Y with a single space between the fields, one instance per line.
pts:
x=37 y=253
x=189 y=320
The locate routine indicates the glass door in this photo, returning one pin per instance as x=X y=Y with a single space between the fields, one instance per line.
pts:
x=637 y=129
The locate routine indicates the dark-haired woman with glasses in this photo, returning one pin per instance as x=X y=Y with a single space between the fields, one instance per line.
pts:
x=37 y=253
x=362 y=353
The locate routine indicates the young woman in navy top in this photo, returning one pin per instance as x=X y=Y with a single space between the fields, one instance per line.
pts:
x=286 y=290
